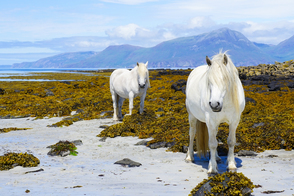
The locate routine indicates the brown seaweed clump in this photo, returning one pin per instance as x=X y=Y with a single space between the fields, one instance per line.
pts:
x=6 y=130
x=10 y=160
x=266 y=123
x=62 y=147
x=228 y=183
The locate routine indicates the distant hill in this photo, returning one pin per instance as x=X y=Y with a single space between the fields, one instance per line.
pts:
x=283 y=51
x=57 y=61
x=182 y=52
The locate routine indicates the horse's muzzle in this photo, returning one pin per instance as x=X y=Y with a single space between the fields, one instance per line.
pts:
x=216 y=107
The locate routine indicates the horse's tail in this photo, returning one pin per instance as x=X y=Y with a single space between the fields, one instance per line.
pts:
x=202 y=138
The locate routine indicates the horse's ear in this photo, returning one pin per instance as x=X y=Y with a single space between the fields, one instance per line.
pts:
x=225 y=59
x=146 y=64
x=208 y=61
x=137 y=64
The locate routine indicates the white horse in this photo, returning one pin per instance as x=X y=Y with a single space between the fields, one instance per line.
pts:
x=214 y=94
x=125 y=84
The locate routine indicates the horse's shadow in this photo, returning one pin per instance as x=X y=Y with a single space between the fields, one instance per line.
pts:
x=222 y=166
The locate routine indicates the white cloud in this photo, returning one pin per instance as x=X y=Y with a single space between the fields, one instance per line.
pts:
x=128 y=32
x=268 y=32
x=199 y=22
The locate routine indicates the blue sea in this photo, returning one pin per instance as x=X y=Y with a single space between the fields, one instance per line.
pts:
x=28 y=72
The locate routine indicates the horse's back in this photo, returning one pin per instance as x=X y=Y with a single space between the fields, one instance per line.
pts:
x=117 y=75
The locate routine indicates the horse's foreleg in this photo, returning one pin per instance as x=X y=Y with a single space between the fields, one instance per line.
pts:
x=212 y=130
x=131 y=97
x=231 y=141
x=192 y=132
x=142 y=103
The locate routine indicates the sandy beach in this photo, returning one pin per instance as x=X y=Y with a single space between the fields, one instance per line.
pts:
x=93 y=171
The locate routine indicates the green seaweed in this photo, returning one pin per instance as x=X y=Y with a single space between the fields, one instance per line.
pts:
x=64 y=146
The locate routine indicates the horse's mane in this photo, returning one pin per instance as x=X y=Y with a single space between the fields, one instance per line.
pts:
x=227 y=74
x=142 y=70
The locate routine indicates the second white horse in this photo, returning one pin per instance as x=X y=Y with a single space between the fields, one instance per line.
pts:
x=125 y=84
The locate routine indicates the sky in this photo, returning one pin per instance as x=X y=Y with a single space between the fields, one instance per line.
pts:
x=59 y=26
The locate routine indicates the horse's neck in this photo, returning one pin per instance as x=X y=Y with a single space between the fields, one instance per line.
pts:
x=133 y=72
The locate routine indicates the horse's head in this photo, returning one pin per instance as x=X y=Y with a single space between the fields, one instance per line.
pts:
x=218 y=81
x=142 y=75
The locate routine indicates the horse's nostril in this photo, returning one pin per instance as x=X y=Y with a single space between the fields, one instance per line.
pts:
x=218 y=104
x=141 y=85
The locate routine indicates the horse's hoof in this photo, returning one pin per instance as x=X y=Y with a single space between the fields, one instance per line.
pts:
x=188 y=160
x=232 y=170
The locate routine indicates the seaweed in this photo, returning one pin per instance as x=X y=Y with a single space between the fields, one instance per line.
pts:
x=10 y=160
x=165 y=118
x=228 y=183
x=61 y=147
x=6 y=130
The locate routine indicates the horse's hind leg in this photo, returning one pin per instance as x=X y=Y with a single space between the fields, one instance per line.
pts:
x=192 y=133
x=120 y=104
x=231 y=141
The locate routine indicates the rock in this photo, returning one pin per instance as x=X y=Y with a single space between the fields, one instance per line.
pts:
x=246 y=153
x=77 y=142
x=258 y=125
x=169 y=144
x=103 y=126
x=160 y=110
x=65 y=153
x=158 y=145
x=142 y=143
x=68 y=99
x=65 y=82
x=180 y=85
x=272 y=156
x=79 y=111
x=128 y=163
x=247 y=99
x=103 y=139
x=274 y=86
x=2 y=91
x=34 y=171
x=49 y=93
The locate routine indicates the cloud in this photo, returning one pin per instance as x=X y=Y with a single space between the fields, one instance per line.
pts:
x=200 y=22
x=128 y=32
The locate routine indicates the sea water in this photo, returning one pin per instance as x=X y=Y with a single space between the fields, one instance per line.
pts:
x=28 y=72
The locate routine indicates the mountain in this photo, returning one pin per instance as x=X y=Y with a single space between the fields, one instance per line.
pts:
x=284 y=50
x=182 y=52
x=112 y=55
x=57 y=61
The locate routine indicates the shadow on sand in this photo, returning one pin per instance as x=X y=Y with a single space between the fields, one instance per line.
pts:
x=204 y=162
